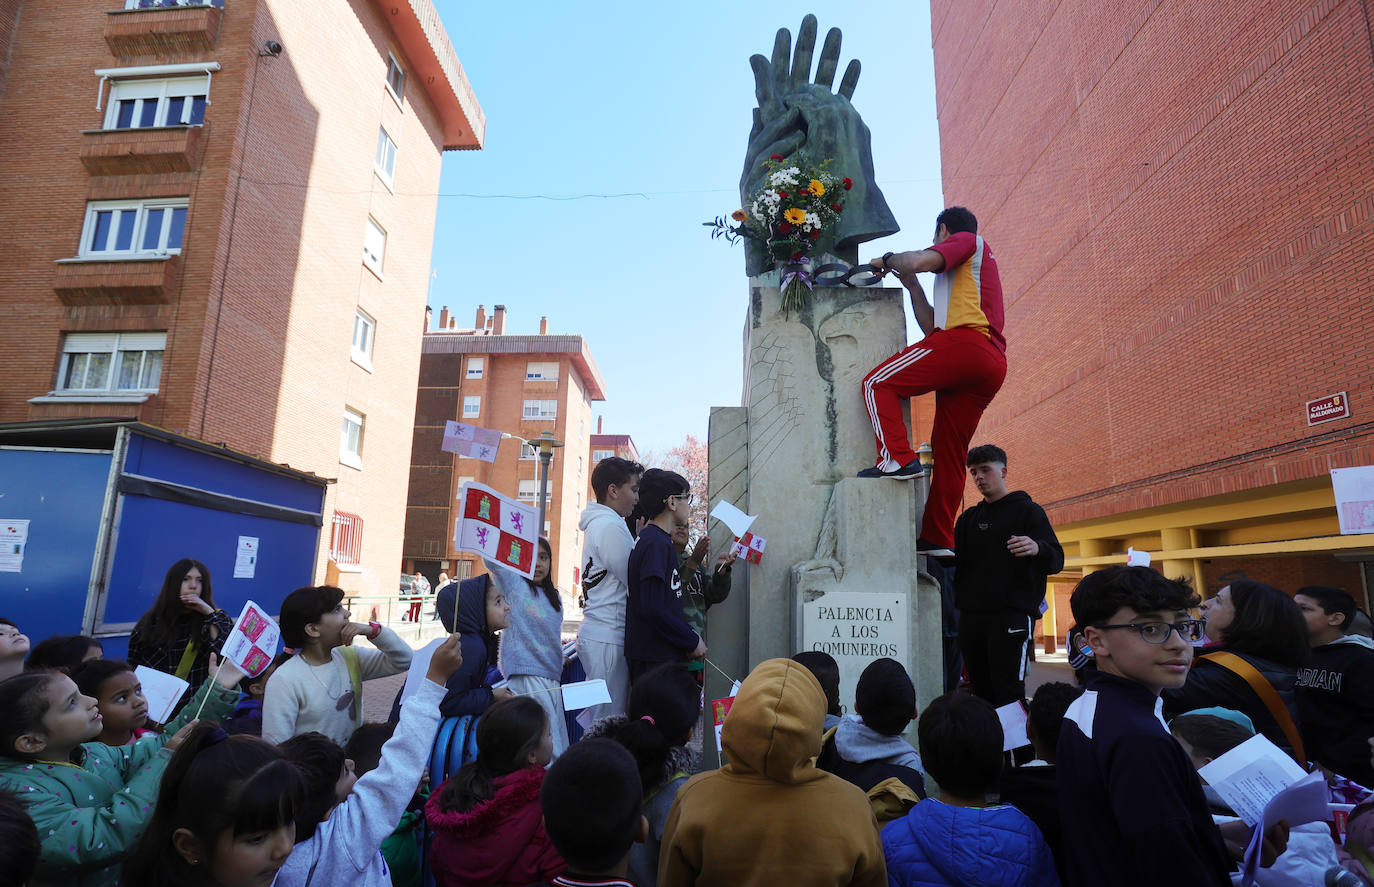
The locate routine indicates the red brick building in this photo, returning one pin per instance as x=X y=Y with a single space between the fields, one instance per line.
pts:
x=523 y=385
x=223 y=217
x=604 y=446
x=1181 y=200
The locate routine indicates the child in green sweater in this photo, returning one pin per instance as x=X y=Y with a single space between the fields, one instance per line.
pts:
x=89 y=801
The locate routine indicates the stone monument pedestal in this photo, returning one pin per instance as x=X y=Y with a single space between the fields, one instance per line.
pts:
x=789 y=454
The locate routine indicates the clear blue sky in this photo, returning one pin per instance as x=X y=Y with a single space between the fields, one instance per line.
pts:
x=651 y=99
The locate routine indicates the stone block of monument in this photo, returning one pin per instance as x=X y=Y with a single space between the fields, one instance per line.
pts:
x=789 y=455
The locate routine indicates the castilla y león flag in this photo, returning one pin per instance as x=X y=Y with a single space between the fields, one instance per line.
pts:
x=497 y=528
x=749 y=547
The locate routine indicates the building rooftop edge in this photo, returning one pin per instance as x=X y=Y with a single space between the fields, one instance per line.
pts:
x=444 y=342
x=421 y=34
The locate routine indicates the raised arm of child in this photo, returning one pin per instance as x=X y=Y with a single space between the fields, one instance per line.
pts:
x=356 y=828
x=392 y=656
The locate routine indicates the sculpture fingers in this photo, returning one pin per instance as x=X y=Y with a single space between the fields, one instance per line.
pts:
x=851 y=79
x=830 y=59
x=806 y=45
x=765 y=90
x=782 y=51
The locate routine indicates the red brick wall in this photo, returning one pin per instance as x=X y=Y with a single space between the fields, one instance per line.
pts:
x=1181 y=200
x=1287 y=573
x=261 y=319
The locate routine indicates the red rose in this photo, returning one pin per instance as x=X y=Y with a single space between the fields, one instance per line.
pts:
x=815 y=235
x=782 y=194
x=775 y=157
x=798 y=254
x=848 y=183
x=836 y=207
x=784 y=228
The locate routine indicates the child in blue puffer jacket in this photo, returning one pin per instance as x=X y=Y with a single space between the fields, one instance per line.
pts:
x=961 y=841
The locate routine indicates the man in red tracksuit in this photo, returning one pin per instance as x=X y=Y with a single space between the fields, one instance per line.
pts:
x=962 y=359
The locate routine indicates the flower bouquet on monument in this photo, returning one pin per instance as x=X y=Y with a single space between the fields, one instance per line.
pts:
x=793 y=214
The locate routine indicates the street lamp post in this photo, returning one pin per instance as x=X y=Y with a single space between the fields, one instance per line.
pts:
x=545 y=443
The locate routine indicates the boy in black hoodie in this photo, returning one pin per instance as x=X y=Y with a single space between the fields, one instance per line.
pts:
x=1335 y=694
x=1005 y=549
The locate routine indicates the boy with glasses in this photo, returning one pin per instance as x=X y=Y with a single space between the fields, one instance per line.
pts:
x=656 y=631
x=1139 y=816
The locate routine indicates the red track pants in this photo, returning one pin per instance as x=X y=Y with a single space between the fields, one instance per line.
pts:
x=965 y=370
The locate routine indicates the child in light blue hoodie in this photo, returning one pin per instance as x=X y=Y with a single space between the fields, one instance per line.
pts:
x=531 y=655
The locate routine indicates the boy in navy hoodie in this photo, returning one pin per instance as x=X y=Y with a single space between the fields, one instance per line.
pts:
x=1138 y=816
x=1335 y=692
x=656 y=631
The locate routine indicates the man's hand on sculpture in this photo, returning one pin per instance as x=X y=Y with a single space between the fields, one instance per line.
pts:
x=794 y=114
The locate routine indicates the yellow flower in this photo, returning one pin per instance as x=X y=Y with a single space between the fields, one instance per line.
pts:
x=817 y=188
x=795 y=216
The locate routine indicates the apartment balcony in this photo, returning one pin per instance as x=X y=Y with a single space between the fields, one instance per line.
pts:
x=149 y=280
x=159 y=149
x=166 y=28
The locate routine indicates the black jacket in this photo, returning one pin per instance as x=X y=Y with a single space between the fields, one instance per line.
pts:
x=1335 y=694
x=1035 y=792
x=1133 y=812
x=1210 y=684
x=466 y=613
x=988 y=576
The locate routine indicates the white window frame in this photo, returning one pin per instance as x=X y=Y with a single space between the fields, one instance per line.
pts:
x=472 y=406
x=528 y=491
x=598 y=455
x=476 y=366
x=78 y=345
x=529 y=452
x=385 y=162
x=541 y=371
x=394 y=64
x=463 y=480
x=362 y=354
x=160 y=91
x=141 y=210
x=349 y=456
x=542 y=410
x=373 y=257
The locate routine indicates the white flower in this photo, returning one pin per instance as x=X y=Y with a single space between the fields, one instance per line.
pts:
x=813 y=220
x=784 y=177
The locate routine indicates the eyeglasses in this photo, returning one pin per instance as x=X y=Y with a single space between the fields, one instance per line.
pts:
x=685 y=497
x=1190 y=630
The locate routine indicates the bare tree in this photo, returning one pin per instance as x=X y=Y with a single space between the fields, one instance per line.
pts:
x=689 y=460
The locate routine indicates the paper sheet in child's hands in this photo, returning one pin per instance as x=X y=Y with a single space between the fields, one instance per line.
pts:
x=1248 y=776
x=161 y=690
x=1013 y=718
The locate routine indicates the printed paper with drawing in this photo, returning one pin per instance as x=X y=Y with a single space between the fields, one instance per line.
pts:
x=253 y=642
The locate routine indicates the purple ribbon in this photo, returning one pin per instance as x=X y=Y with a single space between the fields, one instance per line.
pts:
x=799 y=274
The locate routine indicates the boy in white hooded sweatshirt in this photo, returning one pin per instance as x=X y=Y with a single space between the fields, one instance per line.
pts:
x=607 y=544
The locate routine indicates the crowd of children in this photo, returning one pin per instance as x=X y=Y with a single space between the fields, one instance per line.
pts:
x=276 y=780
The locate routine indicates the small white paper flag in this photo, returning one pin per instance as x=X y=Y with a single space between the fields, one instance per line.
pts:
x=732 y=517
x=162 y=691
x=1137 y=558
x=584 y=694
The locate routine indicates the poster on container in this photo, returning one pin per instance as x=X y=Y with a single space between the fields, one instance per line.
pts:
x=1354 y=489
x=498 y=528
